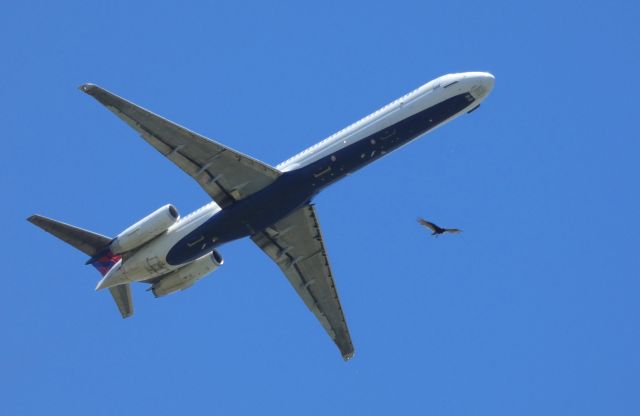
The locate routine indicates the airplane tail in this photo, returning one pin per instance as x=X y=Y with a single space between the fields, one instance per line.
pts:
x=94 y=245
x=86 y=241
x=104 y=261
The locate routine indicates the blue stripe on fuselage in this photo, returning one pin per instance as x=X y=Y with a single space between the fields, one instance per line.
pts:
x=296 y=188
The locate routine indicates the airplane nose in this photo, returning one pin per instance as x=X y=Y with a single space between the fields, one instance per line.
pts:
x=483 y=84
x=488 y=80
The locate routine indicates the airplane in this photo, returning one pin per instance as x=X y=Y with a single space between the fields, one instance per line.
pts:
x=271 y=205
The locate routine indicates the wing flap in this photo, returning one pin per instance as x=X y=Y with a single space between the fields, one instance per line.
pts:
x=225 y=174
x=295 y=244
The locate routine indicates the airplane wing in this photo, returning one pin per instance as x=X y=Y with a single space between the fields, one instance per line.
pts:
x=122 y=295
x=225 y=174
x=295 y=244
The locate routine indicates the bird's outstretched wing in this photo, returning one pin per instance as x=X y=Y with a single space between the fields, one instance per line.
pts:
x=428 y=224
x=452 y=230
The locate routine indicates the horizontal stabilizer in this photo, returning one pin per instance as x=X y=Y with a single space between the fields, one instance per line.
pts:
x=122 y=295
x=91 y=244
x=86 y=241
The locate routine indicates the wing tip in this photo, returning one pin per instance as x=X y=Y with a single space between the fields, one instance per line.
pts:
x=346 y=349
x=37 y=220
x=88 y=87
x=346 y=356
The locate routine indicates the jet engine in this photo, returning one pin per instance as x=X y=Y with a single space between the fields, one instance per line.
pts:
x=186 y=276
x=145 y=230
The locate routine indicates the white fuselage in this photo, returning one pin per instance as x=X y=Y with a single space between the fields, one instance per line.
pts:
x=479 y=84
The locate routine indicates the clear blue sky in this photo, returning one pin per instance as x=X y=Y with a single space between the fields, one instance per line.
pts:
x=532 y=310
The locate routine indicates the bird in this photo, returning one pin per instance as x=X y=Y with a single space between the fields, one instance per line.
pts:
x=437 y=230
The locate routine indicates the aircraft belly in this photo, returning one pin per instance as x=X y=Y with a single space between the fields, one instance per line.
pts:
x=150 y=260
x=365 y=150
x=244 y=218
x=148 y=267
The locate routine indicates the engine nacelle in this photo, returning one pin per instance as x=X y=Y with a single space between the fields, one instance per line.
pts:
x=186 y=276
x=145 y=230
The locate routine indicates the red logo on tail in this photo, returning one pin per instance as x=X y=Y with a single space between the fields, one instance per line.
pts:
x=105 y=262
